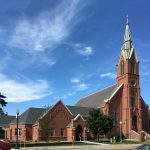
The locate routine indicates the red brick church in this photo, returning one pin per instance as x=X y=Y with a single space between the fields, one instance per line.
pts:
x=122 y=101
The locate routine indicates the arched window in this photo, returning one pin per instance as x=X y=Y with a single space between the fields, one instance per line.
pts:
x=122 y=68
x=132 y=67
x=114 y=116
x=133 y=100
x=134 y=123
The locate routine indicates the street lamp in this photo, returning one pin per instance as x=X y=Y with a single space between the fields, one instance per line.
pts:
x=17 y=132
x=120 y=131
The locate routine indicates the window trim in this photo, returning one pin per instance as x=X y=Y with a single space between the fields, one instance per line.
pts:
x=133 y=103
x=62 y=132
x=19 y=131
x=52 y=131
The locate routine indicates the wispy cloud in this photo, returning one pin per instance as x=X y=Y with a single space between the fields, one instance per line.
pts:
x=82 y=49
x=24 y=91
x=47 y=30
x=38 y=38
x=75 y=80
x=69 y=94
x=109 y=75
x=85 y=51
x=77 y=86
x=81 y=87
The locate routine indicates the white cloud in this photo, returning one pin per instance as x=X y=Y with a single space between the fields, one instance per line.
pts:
x=77 y=86
x=75 y=80
x=82 y=49
x=47 y=30
x=81 y=87
x=16 y=91
x=109 y=75
x=65 y=96
x=85 y=51
x=37 y=37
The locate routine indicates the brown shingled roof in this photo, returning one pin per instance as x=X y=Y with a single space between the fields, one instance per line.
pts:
x=29 y=116
x=5 y=120
x=97 y=99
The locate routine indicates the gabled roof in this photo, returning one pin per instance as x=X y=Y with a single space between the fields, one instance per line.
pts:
x=77 y=117
x=83 y=111
x=5 y=120
x=30 y=116
x=97 y=99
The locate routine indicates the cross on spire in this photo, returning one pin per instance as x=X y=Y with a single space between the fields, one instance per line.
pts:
x=127 y=22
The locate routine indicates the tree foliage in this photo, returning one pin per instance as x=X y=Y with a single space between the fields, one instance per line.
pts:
x=98 y=123
x=45 y=125
x=2 y=103
x=2 y=112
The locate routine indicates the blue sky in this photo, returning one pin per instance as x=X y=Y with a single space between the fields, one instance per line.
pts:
x=67 y=49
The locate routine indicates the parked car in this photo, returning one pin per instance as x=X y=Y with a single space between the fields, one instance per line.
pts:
x=143 y=147
x=4 y=145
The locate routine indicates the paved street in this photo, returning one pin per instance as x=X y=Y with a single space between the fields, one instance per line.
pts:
x=93 y=147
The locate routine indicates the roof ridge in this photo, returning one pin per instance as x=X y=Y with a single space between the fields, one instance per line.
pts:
x=35 y=108
x=78 y=106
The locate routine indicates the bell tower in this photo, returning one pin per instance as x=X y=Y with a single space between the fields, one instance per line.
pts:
x=128 y=75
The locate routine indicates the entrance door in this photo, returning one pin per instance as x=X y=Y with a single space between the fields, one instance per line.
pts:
x=78 y=133
x=134 y=123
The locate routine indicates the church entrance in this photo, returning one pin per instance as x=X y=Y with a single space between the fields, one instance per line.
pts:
x=134 y=123
x=78 y=133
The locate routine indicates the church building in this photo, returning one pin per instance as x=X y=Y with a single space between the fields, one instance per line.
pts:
x=122 y=101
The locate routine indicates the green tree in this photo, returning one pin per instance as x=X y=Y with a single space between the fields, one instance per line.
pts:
x=45 y=124
x=98 y=123
x=2 y=103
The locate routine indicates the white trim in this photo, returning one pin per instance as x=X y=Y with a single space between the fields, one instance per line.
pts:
x=113 y=94
x=106 y=100
x=53 y=107
x=133 y=51
x=124 y=56
x=78 y=117
x=65 y=107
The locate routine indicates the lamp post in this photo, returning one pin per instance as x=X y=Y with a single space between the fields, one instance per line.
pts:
x=120 y=131
x=17 y=132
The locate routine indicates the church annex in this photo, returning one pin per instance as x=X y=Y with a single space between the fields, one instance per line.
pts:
x=122 y=101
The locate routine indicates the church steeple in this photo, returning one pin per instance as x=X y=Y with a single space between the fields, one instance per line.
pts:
x=127 y=43
x=128 y=63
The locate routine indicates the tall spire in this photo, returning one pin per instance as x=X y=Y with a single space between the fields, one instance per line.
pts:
x=127 y=43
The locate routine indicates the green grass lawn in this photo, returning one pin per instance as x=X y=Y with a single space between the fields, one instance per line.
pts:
x=36 y=144
x=123 y=142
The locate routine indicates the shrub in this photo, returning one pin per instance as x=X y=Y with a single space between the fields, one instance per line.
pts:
x=116 y=135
